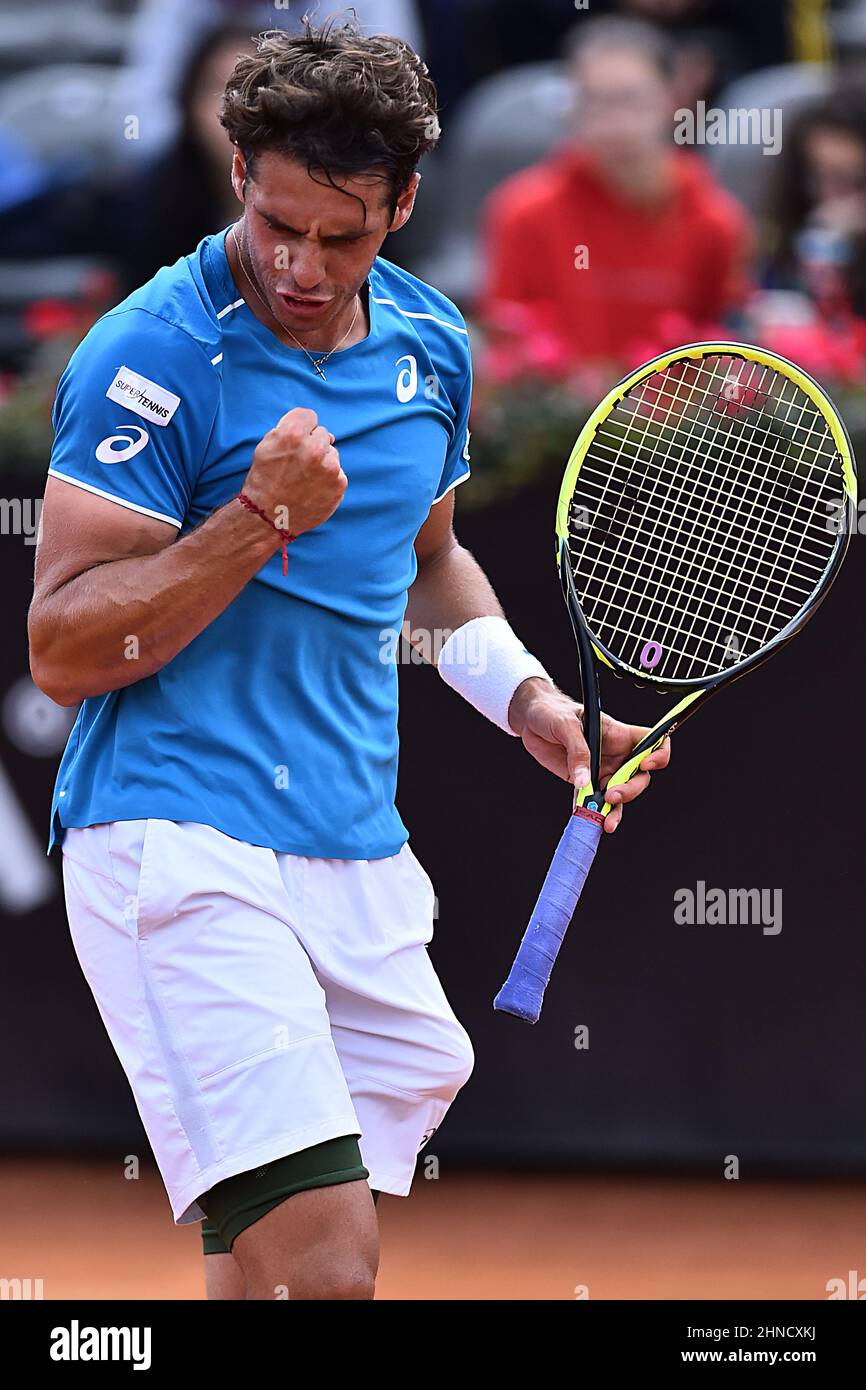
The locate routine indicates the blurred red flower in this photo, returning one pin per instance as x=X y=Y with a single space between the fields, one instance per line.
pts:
x=50 y=318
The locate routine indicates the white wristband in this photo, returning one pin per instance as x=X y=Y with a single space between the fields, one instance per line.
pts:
x=485 y=662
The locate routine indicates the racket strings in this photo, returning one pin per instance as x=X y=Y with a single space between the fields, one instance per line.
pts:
x=687 y=600
x=702 y=524
x=701 y=518
x=606 y=452
x=752 y=530
x=704 y=499
x=729 y=509
x=731 y=449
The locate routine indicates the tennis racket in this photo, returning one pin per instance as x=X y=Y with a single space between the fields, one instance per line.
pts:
x=704 y=513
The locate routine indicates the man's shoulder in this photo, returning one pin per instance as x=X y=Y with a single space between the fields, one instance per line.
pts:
x=163 y=338
x=172 y=313
x=399 y=290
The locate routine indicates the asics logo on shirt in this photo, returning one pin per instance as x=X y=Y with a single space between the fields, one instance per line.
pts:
x=407 y=379
x=108 y=452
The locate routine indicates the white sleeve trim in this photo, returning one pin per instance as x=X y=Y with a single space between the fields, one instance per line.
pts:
x=452 y=486
x=109 y=497
x=416 y=314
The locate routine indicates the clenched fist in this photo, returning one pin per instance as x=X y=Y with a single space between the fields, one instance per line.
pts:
x=296 y=476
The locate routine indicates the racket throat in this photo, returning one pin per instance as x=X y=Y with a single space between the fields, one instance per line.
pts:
x=591 y=796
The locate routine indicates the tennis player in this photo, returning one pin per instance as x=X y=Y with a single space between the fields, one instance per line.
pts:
x=254 y=466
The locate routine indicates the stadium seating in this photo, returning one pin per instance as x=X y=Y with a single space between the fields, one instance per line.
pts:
x=68 y=113
x=90 y=31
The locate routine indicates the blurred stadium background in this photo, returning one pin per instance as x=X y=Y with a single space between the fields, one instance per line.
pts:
x=580 y=233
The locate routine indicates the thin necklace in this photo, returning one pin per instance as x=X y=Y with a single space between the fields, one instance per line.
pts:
x=318 y=363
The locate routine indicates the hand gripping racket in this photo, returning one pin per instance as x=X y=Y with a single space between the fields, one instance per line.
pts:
x=704 y=513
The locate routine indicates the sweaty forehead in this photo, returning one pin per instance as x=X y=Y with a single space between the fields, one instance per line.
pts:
x=283 y=189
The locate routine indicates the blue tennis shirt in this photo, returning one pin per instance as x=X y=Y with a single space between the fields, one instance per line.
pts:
x=278 y=723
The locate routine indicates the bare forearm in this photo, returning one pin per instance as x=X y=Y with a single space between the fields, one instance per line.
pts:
x=450 y=590
x=124 y=620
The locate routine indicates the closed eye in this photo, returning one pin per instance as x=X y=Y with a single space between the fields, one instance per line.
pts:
x=346 y=239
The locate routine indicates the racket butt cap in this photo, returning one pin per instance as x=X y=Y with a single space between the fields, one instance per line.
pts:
x=508 y=1001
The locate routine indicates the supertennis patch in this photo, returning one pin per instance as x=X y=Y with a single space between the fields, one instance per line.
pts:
x=146 y=398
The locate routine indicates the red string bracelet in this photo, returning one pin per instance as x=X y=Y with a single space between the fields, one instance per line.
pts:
x=286 y=536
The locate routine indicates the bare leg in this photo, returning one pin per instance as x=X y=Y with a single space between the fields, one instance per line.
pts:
x=224 y=1278
x=319 y=1244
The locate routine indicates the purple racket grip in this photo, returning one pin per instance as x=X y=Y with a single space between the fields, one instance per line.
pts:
x=523 y=991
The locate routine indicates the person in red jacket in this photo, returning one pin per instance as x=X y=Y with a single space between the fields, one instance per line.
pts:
x=621 y=238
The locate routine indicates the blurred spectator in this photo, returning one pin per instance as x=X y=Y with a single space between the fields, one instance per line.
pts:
x=161 y=210
x=166 y=32
x=818 y=221
x=186 y=193
x=619 y=238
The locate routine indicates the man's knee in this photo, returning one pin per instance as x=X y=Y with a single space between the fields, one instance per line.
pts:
x=319 y=1244
x=347 y=1275
x=449 y=1060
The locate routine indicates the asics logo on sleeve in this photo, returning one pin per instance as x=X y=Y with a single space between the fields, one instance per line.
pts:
x=108 y=452
x=144 y=397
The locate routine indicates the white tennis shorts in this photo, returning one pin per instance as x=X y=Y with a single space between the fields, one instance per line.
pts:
x=261 y=1003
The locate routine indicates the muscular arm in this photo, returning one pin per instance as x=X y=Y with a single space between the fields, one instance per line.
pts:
x=106 y=574
x=450 y=590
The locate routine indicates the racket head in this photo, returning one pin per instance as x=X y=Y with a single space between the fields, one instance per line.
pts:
x=704 y=513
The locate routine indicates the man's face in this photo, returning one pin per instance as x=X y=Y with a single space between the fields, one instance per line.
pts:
x=624 y=105
x=311 y=245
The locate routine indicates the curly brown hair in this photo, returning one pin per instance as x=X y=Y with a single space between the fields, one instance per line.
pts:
x=338 y=101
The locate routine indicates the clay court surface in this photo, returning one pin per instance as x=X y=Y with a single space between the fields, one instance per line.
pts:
x=88 y=1232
